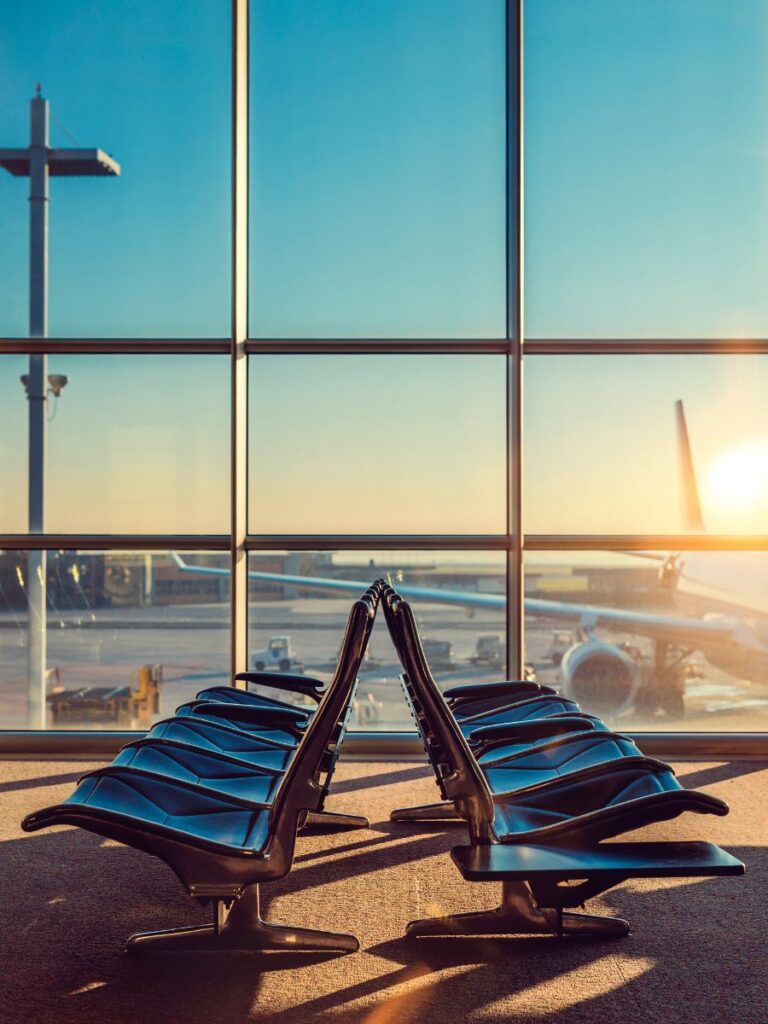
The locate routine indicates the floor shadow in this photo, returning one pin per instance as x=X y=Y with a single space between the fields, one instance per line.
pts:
x=718 y=773
x=43 y=780
x=386 y=778
x=71 y=899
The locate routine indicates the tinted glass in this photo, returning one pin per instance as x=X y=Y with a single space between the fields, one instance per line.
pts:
x=646 y=197
x=130 y=635
x=377 y=168
x=379 y=444
x=291 y=627
x=134 y=444
x=674 y=641
x=604 y=446
x=149 y=82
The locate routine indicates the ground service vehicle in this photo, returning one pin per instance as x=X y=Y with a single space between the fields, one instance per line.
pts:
x=490 y=651
x=277 y=655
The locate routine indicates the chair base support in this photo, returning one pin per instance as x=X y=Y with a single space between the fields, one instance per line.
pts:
x=520 y=915
x=238 y=926
x=426 y=812
x=327 y=820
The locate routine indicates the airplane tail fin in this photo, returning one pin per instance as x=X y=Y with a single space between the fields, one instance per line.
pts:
x=692 y=517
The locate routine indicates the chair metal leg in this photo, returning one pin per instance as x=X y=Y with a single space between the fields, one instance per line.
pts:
x=322 y=820
x=239 y=926
x=518 y=914
x=426 y=812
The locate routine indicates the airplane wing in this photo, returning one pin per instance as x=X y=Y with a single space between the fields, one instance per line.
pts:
x=689 y=632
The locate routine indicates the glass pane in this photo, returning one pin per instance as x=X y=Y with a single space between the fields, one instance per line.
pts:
x=133 y=444
x=605 y=448
x=129 y=636
x=145 y=254
x=653 y=640
x=14 y=431
x=294 y=627
x=377 y=444
x=646 y=196
x=377 y=168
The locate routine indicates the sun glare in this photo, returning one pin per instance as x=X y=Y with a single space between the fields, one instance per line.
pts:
x=737 y=480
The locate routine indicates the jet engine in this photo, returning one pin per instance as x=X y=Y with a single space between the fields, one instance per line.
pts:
x=600 y=677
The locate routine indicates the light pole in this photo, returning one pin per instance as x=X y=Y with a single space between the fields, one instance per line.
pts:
x=38 y=162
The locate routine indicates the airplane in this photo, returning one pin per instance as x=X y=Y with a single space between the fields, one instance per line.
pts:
x=610 y=677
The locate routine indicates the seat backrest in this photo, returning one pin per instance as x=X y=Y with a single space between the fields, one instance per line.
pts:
x=462 y=780
x=300 y=789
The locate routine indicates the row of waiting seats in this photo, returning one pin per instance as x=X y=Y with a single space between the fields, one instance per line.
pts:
x=540 y=785
x=220 y=790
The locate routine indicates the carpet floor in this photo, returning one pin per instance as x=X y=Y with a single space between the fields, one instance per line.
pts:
x=697 y=951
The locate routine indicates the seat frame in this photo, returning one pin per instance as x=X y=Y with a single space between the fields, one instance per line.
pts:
x=534 y=901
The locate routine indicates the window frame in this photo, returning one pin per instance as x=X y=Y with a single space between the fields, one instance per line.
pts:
x=514 y=347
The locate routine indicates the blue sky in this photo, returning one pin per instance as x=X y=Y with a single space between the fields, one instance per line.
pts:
x=377 y=167
x=146 y=254
x=646 y=168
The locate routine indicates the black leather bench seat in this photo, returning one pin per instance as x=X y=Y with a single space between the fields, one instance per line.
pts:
x=197 y=794
x=610 y=860
x=221 y=738
x=612 y=799
x=558 y=760
x=494 y=743
x=118 y=798
x=527 y=710
x=255 y=721
x=212 y=772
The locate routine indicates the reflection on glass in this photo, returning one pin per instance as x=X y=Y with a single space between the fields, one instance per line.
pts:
x=129 y=637
x=646 y=191
x=145 y=254
x=134 y=444
x=377 y=168
x=604 y=444
x=379 y=444
x=304 y=626
x=653 y=641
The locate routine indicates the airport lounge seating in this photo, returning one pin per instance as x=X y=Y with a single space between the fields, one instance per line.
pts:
x=229 y=759
x=514 y=754
x=237 y=746
x=545 y=842
x=302 y=686
x=231 y=740
x=222 y=845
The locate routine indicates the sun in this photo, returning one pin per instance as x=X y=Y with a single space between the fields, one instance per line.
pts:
x=736 y=482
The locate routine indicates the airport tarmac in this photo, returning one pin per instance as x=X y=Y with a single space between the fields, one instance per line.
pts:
x=106 y=647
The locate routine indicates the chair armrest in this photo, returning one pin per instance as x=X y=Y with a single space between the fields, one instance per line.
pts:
x=243 y=716
x=293 y=683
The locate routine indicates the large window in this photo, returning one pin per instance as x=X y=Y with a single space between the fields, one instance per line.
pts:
x=291 y=302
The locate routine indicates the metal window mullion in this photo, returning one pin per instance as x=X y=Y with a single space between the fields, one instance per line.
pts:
x=239 y=359
x=382 y=542
x=379 y=346
x=515 y=333
x=116 y=542
x=645 y=346
x=645 y=542
x=115 y=346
